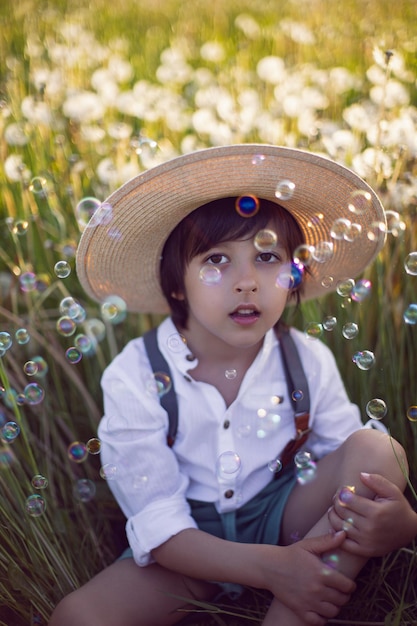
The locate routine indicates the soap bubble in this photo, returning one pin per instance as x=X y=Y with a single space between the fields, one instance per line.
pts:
x=306 y=468
x=177 y=343
x=410 y=314
x=329 y=322
x=34 y=394
x=77 y=452
x=62 y=269
x=258 y=159
x=10 y=432
x=108 y=471
x=95 y=330
x=350 y=330
x=5 y=340
x=361 y=290
x=84 y=490
x=28 y=282
x=66 y=326
x=159 y=383
x=327 y=282
x=323 y=251
x=38 y=185
x=376 y=409
x=102 y=216
x=210 y=274
x=297 y=395
x=39 y=482
x=228 y=465
x=42 y=366
x=114 y=309
x=412 y=413
x=354 y=232
x=83 y=343
x=94 y=445
x=304 y=254
x=69 y=307
x=290 y=276
x=275 y=466
x=375 y=231
x=340 y=228
x=35 y=505
x=344 y=287
x=265 y=240
x=410 y=264
x=302 y=458
x=22 y=336
x=364 y=359
x=247 y=206
x=73 y=355
x=313 y=330
x=284 y=190
x=85 y=210
x=30 y=368
x=395 y=225
x=360 y=201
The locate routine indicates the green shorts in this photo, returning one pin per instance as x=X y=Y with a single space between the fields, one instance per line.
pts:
x=257 y=521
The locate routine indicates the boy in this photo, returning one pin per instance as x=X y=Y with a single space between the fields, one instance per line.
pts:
x=222 y=239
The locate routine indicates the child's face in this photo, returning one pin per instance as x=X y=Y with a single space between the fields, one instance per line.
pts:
x=234 y=292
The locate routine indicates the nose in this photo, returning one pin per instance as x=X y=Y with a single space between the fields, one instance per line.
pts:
x=246 y=281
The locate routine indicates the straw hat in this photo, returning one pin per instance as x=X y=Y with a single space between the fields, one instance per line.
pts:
x=341 y=217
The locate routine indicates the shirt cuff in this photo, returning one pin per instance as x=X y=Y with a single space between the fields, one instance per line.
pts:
x=155 y=525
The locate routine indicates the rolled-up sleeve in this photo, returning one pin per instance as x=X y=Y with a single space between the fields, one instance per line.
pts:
x=142 y=471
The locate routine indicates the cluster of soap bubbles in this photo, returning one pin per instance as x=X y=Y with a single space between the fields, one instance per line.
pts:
x=78 y=451
x=268 y=421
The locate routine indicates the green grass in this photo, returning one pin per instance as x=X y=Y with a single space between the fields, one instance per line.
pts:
x=164 y=54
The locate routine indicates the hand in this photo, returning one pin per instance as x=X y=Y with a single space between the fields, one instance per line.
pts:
x=374 y=527
x=314 y=591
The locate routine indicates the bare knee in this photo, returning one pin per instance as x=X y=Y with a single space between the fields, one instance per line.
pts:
x=376 y=452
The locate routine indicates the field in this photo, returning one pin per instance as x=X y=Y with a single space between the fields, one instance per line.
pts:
x=93 y=93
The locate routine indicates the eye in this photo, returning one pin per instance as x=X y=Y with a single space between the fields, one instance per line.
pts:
x=269 y=257
x=217 y=259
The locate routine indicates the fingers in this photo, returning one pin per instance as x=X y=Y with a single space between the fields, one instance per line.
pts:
x=325 y=543
x=347 y=503
x=382 y=487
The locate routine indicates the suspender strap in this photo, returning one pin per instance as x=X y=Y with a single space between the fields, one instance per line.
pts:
x=298 y=392
x=169 y=399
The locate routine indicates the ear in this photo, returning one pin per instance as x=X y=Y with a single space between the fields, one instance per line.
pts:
x=177 y=295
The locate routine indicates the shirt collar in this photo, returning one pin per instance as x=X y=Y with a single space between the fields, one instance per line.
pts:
x=175 y=350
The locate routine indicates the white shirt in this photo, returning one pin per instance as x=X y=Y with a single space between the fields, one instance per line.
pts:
x=218 y=450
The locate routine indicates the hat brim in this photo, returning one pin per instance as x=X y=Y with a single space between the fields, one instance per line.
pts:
x=120 y=255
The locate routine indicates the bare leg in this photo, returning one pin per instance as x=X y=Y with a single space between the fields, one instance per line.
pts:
x=367 y=450
x=128 y=595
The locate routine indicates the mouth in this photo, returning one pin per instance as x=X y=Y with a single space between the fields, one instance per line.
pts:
x=245 y=314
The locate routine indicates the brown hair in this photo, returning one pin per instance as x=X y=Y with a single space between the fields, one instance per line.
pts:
x=209 y=225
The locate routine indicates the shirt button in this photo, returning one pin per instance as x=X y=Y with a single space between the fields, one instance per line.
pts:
x=229 y=493
x=226 y=424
